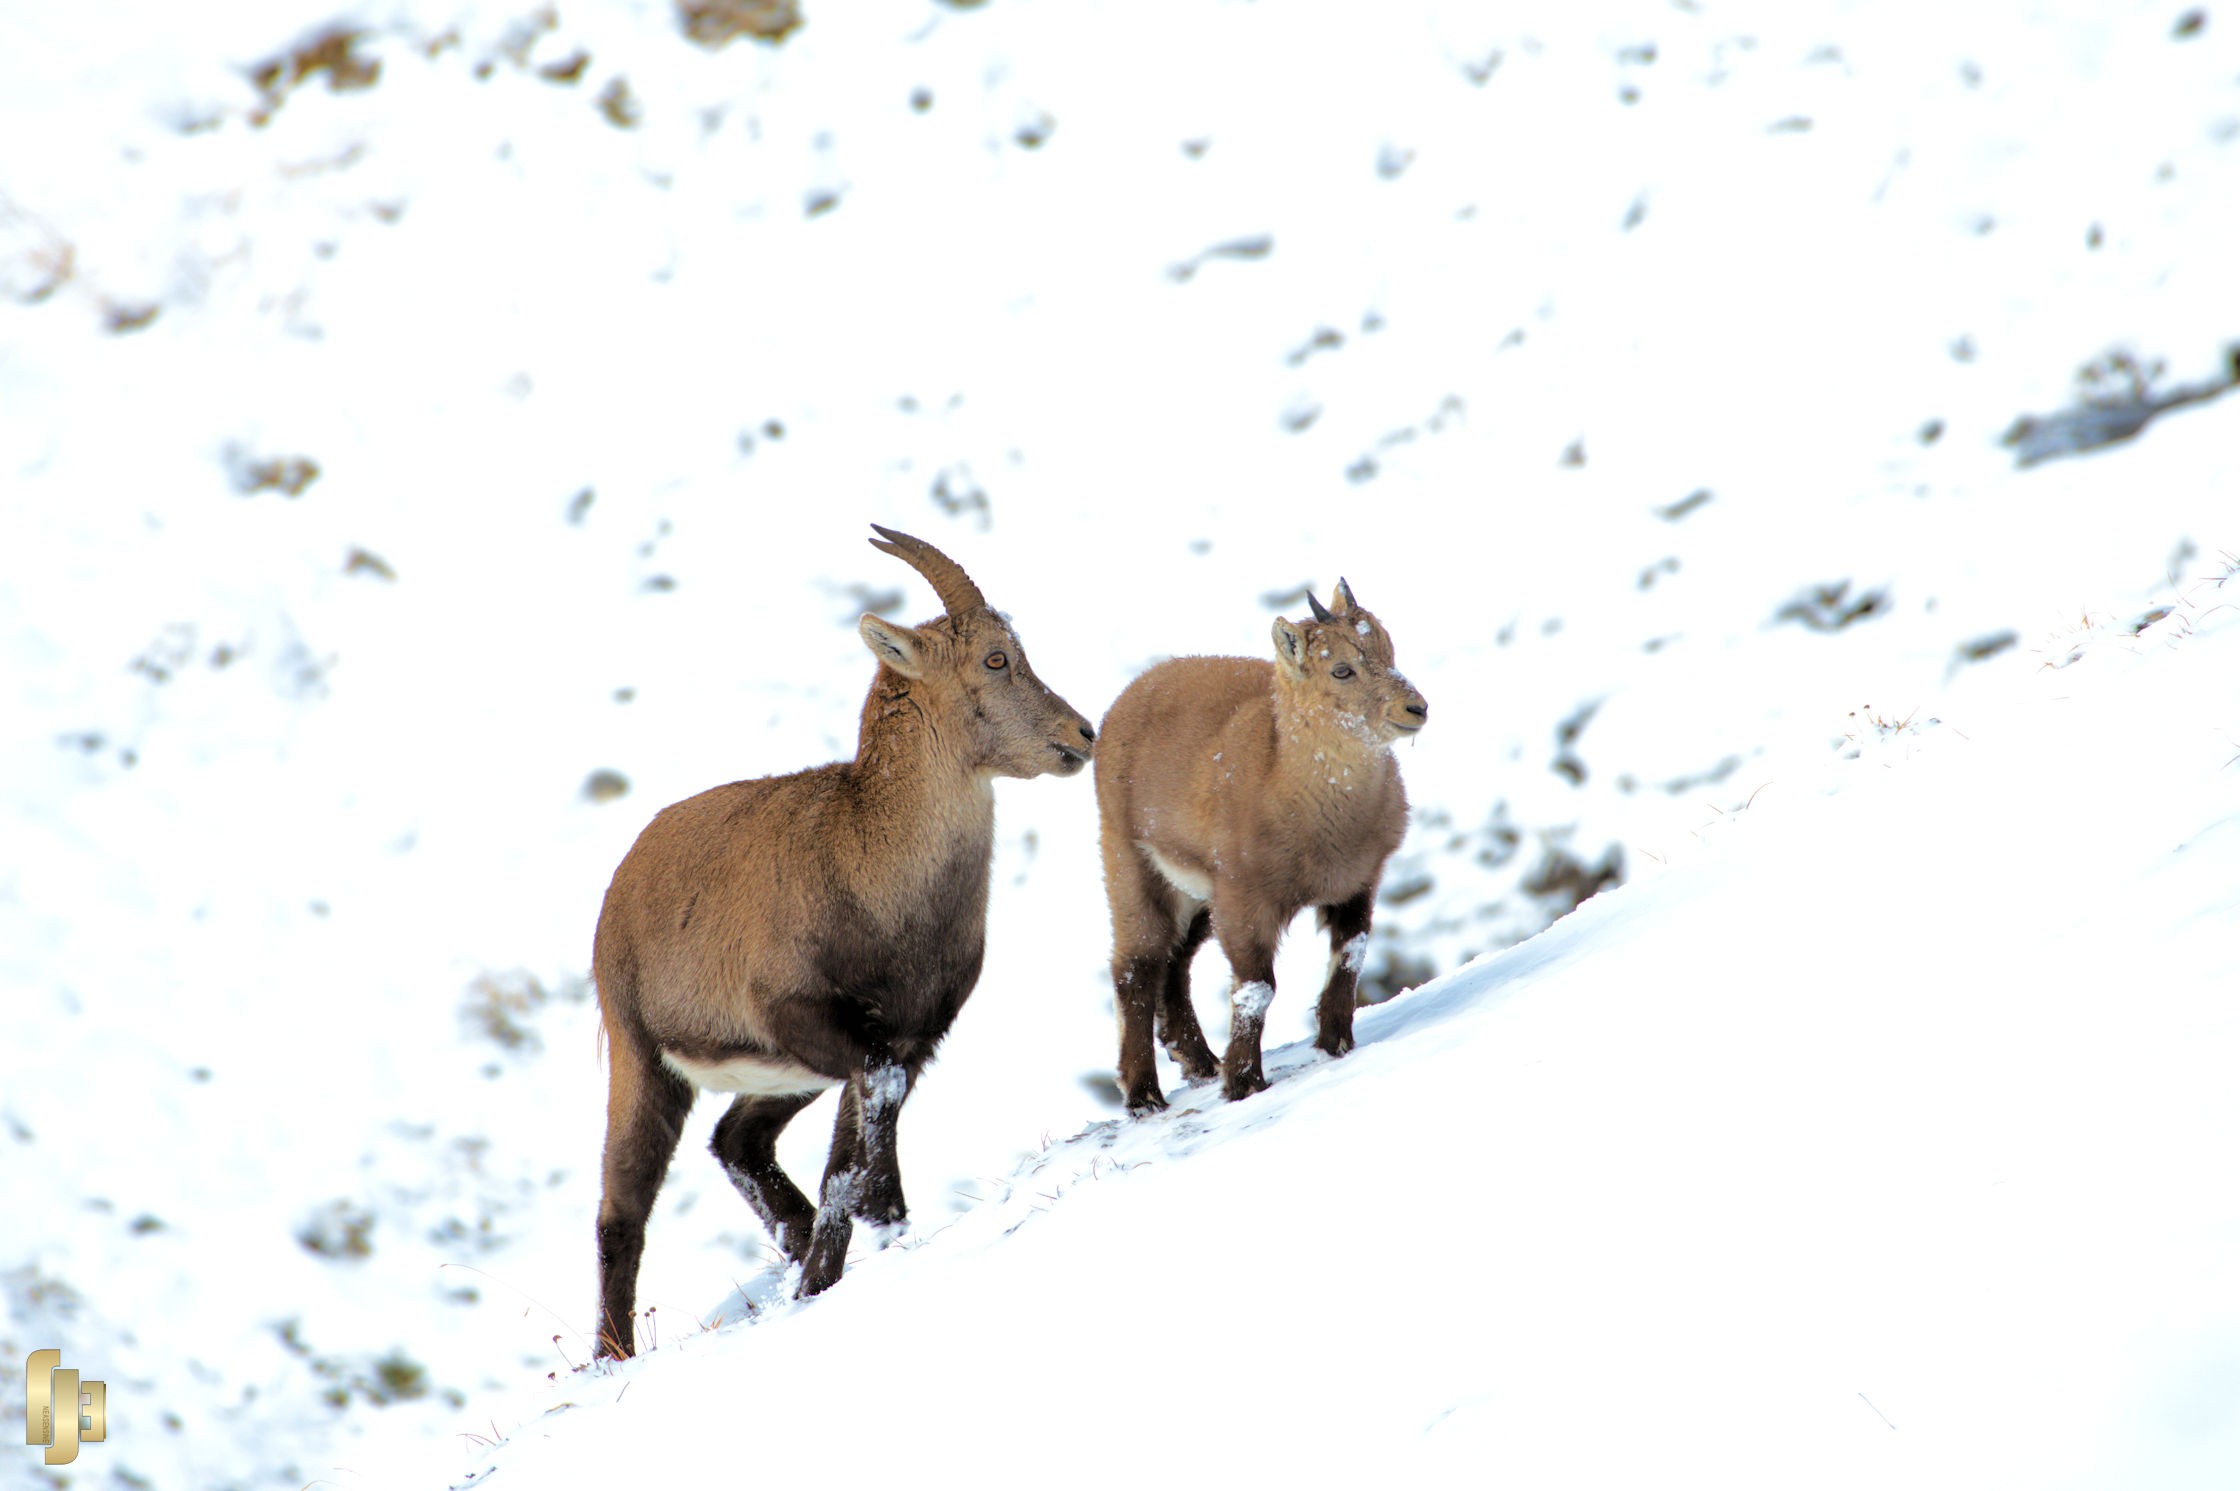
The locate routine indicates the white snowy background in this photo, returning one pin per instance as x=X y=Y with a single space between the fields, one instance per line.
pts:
x=433 y=436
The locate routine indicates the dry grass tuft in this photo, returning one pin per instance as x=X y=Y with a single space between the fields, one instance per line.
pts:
x=332 y=52
x=718 y=23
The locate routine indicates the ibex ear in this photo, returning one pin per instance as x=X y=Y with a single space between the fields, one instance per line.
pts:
x=896 y=646
x=1291 y=647
x=1341 y=599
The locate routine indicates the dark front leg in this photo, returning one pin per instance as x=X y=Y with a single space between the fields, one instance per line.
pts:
x=1179 y=1030
x=1241 y=1075
x=1348 y=923
x=884 y=1090
x=746 y=1145
x=861 y=1178
x=1254 y=966
x=837 y=1198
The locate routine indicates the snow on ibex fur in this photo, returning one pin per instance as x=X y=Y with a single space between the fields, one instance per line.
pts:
x=777 y=937
x=1234 y=792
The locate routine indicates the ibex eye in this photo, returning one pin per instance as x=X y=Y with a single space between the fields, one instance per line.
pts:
x=1341 y=671
x=998 y=660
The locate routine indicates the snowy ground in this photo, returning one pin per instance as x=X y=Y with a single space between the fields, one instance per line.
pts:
x=383 y=462
x=1876 y=1143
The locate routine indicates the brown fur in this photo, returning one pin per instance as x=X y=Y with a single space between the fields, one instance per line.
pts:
x=814 y=930
x=1248 y=790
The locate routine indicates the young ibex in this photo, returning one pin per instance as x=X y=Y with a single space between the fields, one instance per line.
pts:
x=777 y=937
x=1233 y=793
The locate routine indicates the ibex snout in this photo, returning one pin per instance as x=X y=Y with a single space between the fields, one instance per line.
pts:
x=1026 y=729
x=1074 y=753
x=1340 y=663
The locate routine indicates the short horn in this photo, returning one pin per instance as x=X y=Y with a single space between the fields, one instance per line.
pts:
x=1342 y=597
x=1321 y=612
x=958 y=594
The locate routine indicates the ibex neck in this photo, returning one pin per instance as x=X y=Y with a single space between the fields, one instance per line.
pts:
x=1309 y=731
x=906 y=763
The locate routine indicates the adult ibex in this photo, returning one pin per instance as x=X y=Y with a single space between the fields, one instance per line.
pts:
x=1234 y=792
x=777 y=937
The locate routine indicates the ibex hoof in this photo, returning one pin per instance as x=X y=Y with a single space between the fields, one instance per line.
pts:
x=884 y=1235
x=1147 y=1102
x=1195 y=1068
x=816 y=1280
x=883 y=1209
x=1241 y=1085
x=1334 y=1045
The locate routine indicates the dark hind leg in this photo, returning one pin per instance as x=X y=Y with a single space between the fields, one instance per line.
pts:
x=1348 y=925
x=1136 y=982
x=746 y=1145
x=1144 y=938
x=1179 y=1030
x=861 y=1178
x=646 y=1107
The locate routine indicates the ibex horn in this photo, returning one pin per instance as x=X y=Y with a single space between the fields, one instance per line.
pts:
x=958 y=594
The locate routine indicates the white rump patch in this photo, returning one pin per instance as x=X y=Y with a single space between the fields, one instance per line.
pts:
x=754 y=1076
x=1251 y=1001
x=1192 y=884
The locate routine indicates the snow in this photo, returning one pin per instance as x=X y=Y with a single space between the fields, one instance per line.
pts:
x=1351 y=953
x=1925 y=1207
x=1250 y=1000
x=409 y=494
x=884 y=1088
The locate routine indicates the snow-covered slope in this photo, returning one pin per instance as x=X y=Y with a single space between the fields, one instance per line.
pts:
x=1879 y=1142
x=435 y=435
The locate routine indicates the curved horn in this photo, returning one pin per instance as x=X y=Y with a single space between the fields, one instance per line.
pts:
x=950 y=582
x=1321 y=612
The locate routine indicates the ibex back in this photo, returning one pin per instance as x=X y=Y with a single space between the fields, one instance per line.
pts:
x=777 y=937
x=1234 y=792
